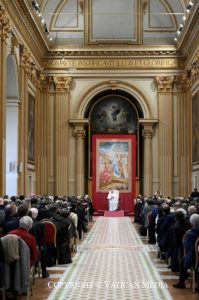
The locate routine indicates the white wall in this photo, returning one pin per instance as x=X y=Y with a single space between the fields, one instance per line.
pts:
x=11 y=146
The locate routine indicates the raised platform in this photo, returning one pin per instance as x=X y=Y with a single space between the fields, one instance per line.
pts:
x=114 y=214
x=127 y=213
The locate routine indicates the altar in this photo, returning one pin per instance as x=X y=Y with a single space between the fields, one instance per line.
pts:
x=113 y=200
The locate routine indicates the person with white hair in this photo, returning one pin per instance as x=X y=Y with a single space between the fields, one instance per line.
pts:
x=189 y=257
x=192 y=209
x=25 y=223
x=37 y=231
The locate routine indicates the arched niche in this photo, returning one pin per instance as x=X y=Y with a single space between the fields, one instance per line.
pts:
x=135 y=99
x=117 y=86
x=12 y=107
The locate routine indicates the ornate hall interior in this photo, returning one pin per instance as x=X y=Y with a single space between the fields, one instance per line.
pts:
x=81 y=79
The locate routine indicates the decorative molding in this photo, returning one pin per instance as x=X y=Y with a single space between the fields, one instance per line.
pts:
x=194 y=72
x=79 y=133
x=114 y=63
x=4 y=24
x=148 y=127
x=44 y=82
x=111 y=52
x=147 y=133
x=26 y=58
x=114 y=84
x=14 y=44
x=25 y=28
x=62 y=84
x=182 y=82
x=164 y=83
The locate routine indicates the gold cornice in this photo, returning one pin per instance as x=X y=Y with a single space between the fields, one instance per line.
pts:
x=4 y=24
x=114 y=63
x=191 y=26
x=156 y=52
x=62 y=84
x=164 y=83
x=24 y=28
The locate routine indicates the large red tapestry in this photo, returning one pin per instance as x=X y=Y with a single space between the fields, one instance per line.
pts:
x=113 y=168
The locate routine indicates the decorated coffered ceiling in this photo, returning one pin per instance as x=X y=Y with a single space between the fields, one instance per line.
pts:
x=82 y=23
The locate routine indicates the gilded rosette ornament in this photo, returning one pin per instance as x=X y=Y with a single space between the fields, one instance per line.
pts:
x=4 y=24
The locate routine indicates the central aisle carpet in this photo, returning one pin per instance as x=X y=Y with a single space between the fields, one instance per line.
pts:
x=114 y=214
x=111 y=263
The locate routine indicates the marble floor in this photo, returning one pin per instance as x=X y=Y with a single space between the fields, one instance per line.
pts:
x=112 y=262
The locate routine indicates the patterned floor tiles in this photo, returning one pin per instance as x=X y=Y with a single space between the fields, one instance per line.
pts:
x=111 y=263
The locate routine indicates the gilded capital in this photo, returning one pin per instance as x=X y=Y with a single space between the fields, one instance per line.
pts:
x=79 y=133
x=14 y=43
x=4 y=24
x=182 y=83
x=62 y=84
x=194 y=72
x=164 y=83
x=44 y=82
x=26 y=58
x=147 y=133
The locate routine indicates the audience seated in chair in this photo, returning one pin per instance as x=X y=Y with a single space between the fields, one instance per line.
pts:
x=37 y=231
x=188 y=260
x=25 y=223
x=62 y=238
x=177 y=232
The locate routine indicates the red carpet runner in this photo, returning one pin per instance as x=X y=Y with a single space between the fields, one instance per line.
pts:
x=114 y=214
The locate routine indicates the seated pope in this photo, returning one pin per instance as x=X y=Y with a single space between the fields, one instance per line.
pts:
x=113 y=200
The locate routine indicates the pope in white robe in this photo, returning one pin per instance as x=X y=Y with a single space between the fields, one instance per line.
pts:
x=113 y=200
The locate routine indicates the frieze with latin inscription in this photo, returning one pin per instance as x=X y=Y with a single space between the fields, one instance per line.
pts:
x=146 y=63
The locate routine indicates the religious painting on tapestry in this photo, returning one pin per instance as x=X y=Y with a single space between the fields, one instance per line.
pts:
x=195 y=129
x=31 y=129
x=113 y=161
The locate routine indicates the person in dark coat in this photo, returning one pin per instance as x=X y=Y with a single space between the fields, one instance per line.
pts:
x=177 y=232
x=62 y=239
x=80 y=211
x=188 y=259
x=164 y=238
x=37 y=231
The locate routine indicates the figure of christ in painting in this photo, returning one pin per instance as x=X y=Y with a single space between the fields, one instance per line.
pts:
x=115 y=110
